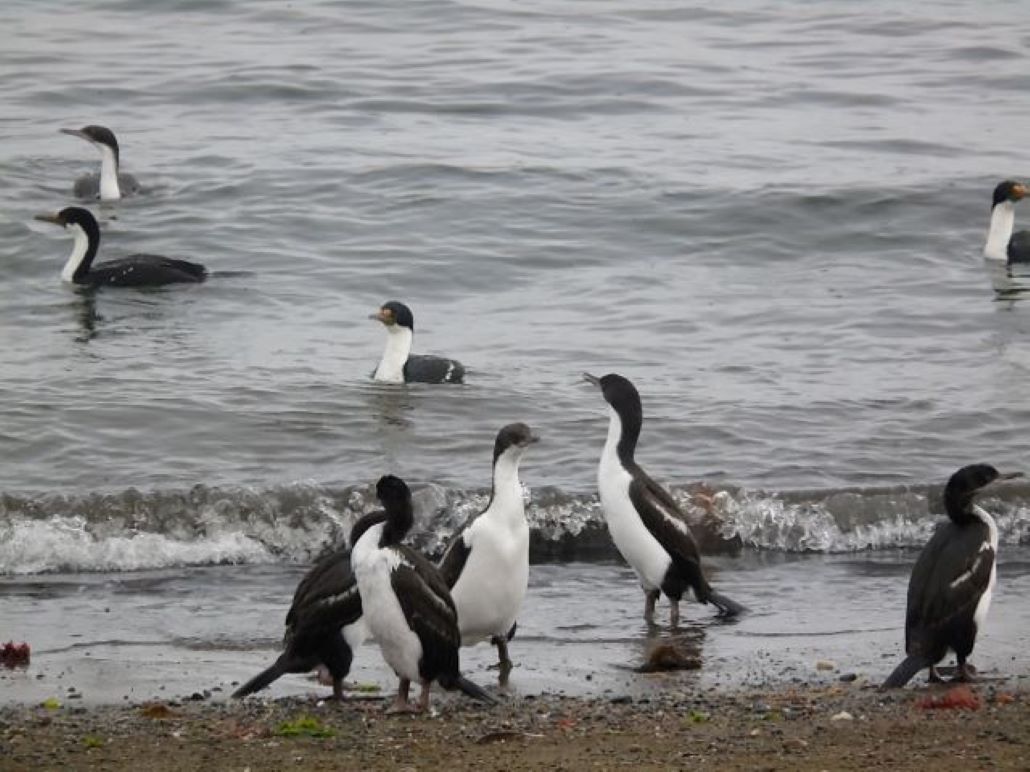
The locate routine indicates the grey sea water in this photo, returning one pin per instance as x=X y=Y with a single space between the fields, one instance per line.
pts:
x=768 y=215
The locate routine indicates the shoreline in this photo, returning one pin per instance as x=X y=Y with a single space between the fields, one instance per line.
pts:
x=813 y=726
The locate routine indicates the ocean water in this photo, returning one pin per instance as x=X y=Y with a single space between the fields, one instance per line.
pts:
x=768 y=215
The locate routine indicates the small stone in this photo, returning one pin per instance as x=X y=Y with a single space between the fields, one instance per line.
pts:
x=794 y=744
x=623 y=699
x=825 y=665
x=849 y=677
x=842 y=716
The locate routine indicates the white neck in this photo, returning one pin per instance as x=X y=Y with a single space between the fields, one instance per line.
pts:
x=611 y=445
x=1003 y=220
x=507 y=502
x=992 y=527
x=398 y=346
x=78 y=253
x=109 y=190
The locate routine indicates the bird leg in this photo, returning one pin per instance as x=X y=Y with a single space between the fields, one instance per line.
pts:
x=650 y=599
x=674 y=614
x=324 y=676
x=423 y=699
x=966 y=672
x=338 y=689
x=400 y=703
x=504 y=664
x=934 y=677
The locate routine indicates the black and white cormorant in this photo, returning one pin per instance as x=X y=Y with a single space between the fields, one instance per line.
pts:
x=1002 y=244
x=487 y=564
x=407 y=606
x=110 y=184
x=133 y=271
x=398 y=364
x=952 y=581
x=324 y=624
x=643 y=519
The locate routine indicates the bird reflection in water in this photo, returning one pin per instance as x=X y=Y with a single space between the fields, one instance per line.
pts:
x=85 y=307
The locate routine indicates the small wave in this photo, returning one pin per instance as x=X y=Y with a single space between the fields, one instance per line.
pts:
x=852 y=520
x=132 y=530
x=66 y=545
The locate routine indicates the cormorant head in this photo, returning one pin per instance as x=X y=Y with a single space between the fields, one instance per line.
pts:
x=395 y=496
x=516 y=435
x=70 y=216
x=1008 y=190
x=619 y=392
x=98 y=135
x=966 y=483
x=392 y=490
x=393 y=313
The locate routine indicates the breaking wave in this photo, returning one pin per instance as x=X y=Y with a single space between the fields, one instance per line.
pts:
x=133 y=530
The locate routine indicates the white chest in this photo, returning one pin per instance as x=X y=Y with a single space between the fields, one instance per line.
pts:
x=636 y=544
x=395 y=355
x=383 y=614
x=109 y=190
x=489 y=593
x=79 y=249
x=1003 y=221
x=984 y=604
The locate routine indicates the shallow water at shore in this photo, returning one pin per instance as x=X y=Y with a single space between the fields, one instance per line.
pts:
x=164 y=634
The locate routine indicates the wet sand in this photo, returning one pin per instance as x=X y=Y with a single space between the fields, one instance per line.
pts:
x=842 y=726
x=160 y=635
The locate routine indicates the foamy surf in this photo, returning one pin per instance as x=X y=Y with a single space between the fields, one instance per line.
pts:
x=66 y=544
x=133 y=530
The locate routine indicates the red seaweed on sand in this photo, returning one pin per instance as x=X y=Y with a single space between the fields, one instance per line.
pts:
x=14 y=654
x=957 y=698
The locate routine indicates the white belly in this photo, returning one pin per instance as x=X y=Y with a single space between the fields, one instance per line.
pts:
x=383 y=615
x=356 y=633
x=636 y=544
x=984 y=604
x=492 y=586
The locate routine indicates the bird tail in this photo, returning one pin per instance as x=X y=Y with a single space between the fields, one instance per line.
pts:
x=261 y=680
x=726 y=606
x=478 y=693
x=904 y=672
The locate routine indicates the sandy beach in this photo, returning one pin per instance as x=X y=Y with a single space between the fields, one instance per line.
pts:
x=834 y=727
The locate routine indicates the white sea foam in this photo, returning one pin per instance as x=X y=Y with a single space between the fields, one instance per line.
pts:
x=297 y=523
x=65 y=544
x=767 y=522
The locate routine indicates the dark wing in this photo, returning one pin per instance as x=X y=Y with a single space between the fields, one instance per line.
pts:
x=1019 y=247
x=326 y=577
x=425 y=599
x=454 y=558
x=145 y=271
x=429 y=369
x=87 y=186
x=128 y=184
x=664 y=521
x=948 y=579
x=326 y=599
x=428 y=607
